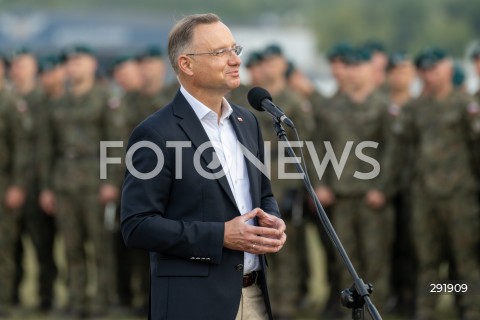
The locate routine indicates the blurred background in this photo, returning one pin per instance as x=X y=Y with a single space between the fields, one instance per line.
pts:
x=304 y=28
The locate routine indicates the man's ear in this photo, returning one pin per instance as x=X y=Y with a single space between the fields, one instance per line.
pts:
x=185 y=64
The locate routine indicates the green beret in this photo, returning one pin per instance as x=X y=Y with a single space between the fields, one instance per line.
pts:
x=48 y=63
x=121 y=60
x=339 y=51
x=18 y=52
x=78 y=49
x=254 y=58
x=357 y=56
x=272 y=50
x=151 y=52
x=429 y=57
x=374 y=46
x=397 y=58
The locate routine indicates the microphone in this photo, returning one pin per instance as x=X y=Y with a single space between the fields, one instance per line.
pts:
x=261 y=100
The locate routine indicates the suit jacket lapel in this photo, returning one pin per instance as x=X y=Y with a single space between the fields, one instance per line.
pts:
x=193 y=128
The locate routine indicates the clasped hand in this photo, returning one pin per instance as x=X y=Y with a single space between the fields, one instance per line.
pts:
x=268 y=237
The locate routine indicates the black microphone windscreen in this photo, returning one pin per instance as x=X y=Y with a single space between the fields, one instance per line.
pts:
x=256 y=96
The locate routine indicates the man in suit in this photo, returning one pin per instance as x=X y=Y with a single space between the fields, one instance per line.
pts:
x=207 y=215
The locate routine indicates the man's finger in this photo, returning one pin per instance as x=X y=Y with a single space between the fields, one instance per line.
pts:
x=249 y=215
x=265 y=232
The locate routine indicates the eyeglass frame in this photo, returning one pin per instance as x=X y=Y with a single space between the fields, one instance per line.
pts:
x=238 y=50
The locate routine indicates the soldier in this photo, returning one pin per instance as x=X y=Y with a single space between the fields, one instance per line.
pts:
x=362 y=216
x=76 y=194
x=289 y=269
x=39 y=225
x=338 y=68
x=52 y=77
x=400 y=76
x=11 y=190
x=132 y=263
x=299 y=82
x=153 y=69
x=379 y=61
x=442 y=125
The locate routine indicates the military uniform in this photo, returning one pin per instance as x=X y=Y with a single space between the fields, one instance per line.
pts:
x=10 y=146
x=132 y=263
x=364 y=231
x=321 y=107
x=76 y=128
x=445 y=208
x=31 y=114
x=146 y=104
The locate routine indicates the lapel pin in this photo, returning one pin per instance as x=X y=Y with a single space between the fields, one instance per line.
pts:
x=240 y=119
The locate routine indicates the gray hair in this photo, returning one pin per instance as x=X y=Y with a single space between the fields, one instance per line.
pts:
x=180 y=37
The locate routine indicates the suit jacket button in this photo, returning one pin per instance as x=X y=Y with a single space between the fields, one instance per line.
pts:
x=239 y=267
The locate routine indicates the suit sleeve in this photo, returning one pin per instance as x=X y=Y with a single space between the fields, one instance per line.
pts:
x=145 y=201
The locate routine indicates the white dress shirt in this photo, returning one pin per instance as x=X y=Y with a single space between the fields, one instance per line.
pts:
x=227 y=148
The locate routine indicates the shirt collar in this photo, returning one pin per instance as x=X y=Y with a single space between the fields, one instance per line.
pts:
x=204 y=112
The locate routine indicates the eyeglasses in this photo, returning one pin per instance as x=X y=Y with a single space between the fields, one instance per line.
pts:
x=220 y=53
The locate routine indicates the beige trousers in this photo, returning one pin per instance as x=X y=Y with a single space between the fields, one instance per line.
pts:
x=252 y=304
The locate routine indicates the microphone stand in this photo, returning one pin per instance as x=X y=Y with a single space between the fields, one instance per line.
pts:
x=358 y=294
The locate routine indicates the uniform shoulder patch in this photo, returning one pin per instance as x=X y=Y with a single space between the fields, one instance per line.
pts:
x=21 y=106
x=473 y=108
x=114 y=103
x=394 y=109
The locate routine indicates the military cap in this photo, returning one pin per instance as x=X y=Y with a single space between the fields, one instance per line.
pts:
x=121 y=60
x=429 y=57
x=357 y=56
x=254 y=58
x=458 y=76
x=47 y=63
x=476 y=52
x=151 y=52
x=78 y=49
x=339 y=51
x=374 y=46
x=397 y=58
x=272 y=50
x=18 y=52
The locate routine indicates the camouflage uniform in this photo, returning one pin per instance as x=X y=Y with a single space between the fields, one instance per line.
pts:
x=10 y=146
x=76 y=127
x=131 y=262
x=404 y=265
x=321 y=105
x=445 y=208
x=364 y=231
x=31 y=118
x=147 y=104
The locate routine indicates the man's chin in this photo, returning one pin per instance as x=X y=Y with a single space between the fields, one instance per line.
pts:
x=234 y=84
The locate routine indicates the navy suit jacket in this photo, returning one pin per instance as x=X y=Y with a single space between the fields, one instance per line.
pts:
x=181 y=220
